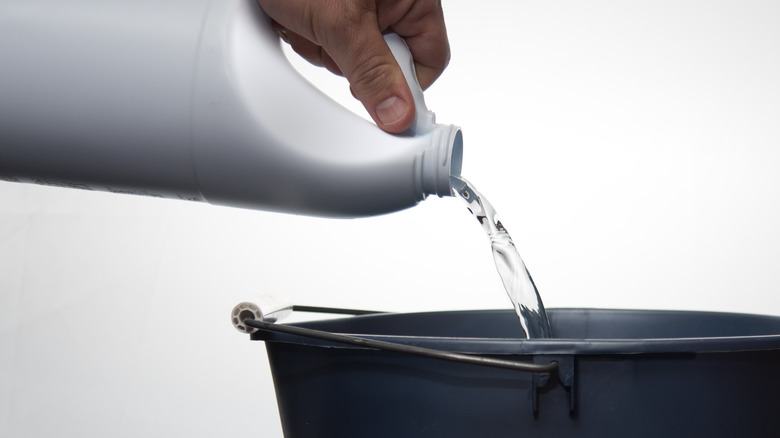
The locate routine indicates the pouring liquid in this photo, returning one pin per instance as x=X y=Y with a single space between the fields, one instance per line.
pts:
x=511 y=268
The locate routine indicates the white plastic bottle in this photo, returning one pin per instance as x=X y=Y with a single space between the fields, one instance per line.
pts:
x=194 y=99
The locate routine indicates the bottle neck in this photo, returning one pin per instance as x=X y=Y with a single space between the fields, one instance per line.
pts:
x=444 y=158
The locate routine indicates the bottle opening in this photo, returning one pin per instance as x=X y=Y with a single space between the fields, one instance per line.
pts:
x=456 y=161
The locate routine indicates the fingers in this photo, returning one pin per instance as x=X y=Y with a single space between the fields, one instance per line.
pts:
x=373 y=73
x=421 y=24
x=345 y=36
x=309 y=51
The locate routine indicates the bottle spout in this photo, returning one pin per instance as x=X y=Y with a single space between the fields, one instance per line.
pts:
x=443 y=160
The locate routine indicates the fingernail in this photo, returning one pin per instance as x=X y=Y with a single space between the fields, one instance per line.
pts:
x=391 y=110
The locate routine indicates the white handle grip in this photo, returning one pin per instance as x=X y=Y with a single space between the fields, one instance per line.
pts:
x=424 y=120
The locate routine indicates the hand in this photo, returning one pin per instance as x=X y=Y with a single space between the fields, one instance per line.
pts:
x=345 y=36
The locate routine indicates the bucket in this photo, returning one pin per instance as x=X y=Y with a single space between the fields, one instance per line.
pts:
x=605 y=373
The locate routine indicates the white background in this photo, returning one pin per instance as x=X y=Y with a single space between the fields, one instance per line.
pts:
x=632 y=149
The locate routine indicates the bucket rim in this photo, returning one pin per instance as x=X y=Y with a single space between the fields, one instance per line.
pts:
x=550 y=346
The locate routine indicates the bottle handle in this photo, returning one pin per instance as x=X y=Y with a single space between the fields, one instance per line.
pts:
x=424 y=120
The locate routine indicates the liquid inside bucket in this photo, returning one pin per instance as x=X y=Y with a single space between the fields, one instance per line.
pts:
x=620 y=373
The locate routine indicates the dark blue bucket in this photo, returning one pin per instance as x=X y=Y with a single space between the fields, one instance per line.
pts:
x=616 y=373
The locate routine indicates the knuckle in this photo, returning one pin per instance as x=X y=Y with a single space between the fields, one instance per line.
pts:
x=340 y=22
x=371 y=77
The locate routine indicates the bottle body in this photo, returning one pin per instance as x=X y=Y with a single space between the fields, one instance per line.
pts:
x=193 y=99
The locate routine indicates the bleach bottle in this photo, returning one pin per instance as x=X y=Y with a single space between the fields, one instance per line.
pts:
x=195 y=100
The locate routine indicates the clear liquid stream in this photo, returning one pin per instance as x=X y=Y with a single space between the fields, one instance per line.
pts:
x=511 y=268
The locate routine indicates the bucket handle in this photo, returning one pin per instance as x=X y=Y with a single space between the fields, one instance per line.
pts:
x=391 y=346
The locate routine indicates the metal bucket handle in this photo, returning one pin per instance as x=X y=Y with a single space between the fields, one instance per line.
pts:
x=390 y=346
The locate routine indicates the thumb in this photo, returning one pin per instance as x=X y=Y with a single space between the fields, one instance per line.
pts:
x=377 y=81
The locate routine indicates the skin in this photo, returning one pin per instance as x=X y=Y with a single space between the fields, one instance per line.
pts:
x=345 y=36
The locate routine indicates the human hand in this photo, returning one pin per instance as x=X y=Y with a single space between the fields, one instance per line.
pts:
x=345 y=36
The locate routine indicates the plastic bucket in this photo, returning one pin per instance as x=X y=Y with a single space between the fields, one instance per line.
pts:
x=626 y=373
